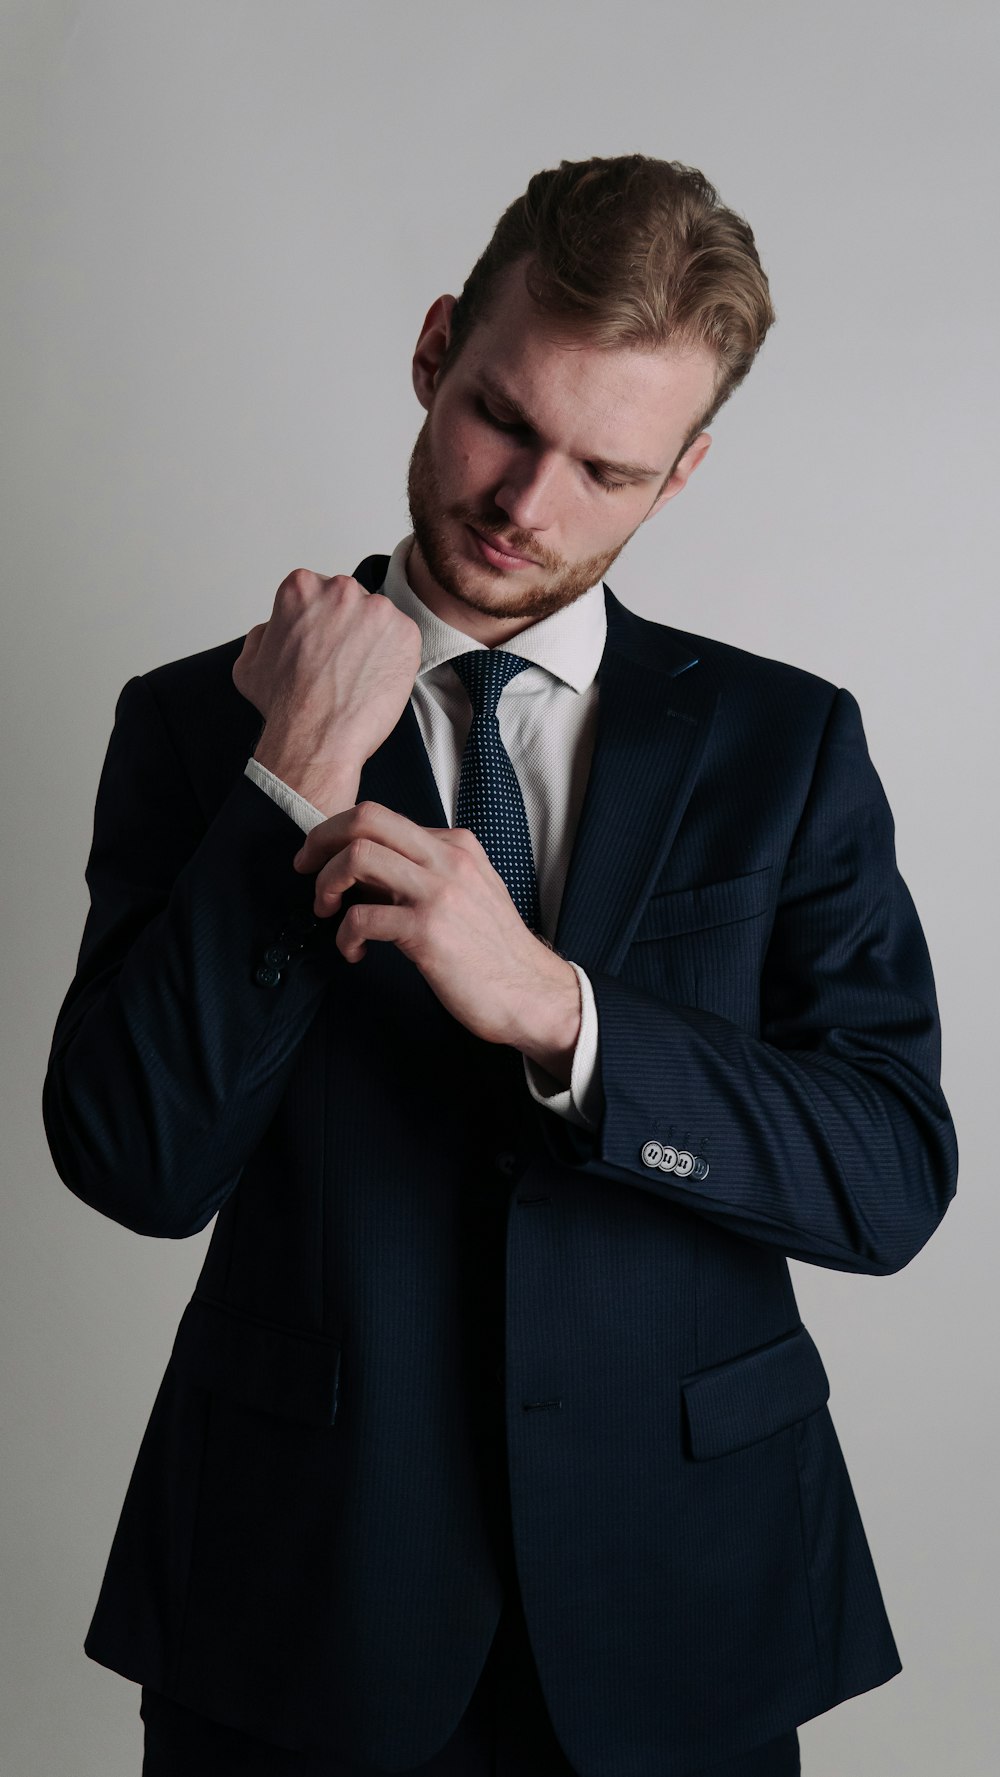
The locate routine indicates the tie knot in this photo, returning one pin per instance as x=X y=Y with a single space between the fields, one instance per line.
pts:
x=484 y=673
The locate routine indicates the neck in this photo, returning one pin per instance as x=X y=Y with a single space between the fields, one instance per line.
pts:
x=482 y=626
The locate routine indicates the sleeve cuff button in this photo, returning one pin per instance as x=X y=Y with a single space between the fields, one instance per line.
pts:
x=661 y=1157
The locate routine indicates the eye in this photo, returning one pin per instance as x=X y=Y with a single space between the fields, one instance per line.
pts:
x=492 y=420
x=499 y=425
x=610 y=487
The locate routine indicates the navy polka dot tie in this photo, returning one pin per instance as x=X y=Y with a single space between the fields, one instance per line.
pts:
x=490 y=802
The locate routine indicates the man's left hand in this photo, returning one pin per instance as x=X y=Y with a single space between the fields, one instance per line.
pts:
x=438 y=898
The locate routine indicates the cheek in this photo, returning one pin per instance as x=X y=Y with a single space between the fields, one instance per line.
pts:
x=454 y=452
x=478 y=465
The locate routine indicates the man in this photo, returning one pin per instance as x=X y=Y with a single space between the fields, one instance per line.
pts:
x=491 y=1438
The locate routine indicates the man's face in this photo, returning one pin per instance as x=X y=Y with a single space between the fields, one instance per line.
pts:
x=538 y=489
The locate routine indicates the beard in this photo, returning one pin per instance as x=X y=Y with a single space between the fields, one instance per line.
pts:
x=560 y=582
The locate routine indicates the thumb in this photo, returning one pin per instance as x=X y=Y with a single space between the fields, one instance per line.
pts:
x=251 y=643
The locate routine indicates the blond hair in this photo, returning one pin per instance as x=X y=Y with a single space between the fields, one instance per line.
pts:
x=630 y=251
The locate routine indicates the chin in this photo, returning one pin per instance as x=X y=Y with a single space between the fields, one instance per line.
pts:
x=483 y=593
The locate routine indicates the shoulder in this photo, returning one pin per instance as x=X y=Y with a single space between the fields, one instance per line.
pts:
x=769 y=722
x=663 y=646
x=192 y=675
x=210 y=726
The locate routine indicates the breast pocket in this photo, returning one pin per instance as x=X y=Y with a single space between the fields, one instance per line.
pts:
x=674 y=912
x=704 y=946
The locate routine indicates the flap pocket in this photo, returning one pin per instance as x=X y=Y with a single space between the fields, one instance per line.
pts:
x=674 y=911
x=754 y=1396
x=263 y=1365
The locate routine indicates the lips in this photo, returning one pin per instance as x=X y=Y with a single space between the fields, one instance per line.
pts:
x=502 y=549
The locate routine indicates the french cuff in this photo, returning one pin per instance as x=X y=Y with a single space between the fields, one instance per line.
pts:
x=582 y=1101
x=302 y=812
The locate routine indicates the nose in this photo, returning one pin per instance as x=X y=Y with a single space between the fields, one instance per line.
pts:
x=529 y=492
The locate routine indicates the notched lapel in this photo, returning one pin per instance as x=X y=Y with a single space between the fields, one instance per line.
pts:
x=399 y=775
x=654 y=711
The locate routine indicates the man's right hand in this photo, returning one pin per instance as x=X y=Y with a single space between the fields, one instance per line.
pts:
x=331 y=672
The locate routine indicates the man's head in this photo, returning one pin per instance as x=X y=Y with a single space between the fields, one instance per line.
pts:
x=616 y=307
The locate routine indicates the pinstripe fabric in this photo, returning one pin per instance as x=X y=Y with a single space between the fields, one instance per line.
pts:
x=430 y=1319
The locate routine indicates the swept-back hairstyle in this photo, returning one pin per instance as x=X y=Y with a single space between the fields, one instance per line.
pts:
x=630 y=251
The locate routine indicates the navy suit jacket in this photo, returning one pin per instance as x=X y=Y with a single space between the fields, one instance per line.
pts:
x=424 y=1292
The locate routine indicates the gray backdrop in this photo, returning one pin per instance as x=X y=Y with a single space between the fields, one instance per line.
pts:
x=223 y=224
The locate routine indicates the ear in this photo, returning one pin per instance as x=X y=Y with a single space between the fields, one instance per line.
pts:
x=684 y=467
x=431 y=348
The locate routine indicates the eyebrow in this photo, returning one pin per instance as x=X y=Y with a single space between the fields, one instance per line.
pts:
x=630 y=471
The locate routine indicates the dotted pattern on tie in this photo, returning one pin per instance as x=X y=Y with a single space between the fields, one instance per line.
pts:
x=490 y=802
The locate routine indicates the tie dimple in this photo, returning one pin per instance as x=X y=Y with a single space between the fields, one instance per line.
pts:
x=490 y=802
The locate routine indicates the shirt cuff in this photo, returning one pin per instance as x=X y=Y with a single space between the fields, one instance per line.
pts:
x=582 y=1101
x=302 y=812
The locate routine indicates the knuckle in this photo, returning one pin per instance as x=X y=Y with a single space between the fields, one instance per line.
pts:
x=465 y=860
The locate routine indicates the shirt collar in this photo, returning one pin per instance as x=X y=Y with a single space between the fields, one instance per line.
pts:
x=568 y=644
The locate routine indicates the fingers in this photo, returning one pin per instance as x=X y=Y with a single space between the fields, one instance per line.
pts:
x=368 y=921
x=364 y=860
x=368 y=820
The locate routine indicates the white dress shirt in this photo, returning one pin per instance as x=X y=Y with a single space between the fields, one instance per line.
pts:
x=547 y=716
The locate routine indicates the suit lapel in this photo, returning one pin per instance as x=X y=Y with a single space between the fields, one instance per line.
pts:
x=653 y=716
x=399 y=774
x=654 y=712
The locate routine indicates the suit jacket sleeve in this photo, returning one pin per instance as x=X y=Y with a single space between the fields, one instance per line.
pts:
x=827 y=1134
x=174 y=1042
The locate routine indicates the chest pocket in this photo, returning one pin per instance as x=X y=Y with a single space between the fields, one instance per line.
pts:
x=704 y=946
x=674 y=912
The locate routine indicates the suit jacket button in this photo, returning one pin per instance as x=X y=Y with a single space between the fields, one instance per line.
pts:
x=267 y=975
x=277 y=954
x=505 y=1163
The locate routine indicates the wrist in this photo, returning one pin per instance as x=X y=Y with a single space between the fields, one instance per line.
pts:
x=328 y=786
x=555 y=1025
